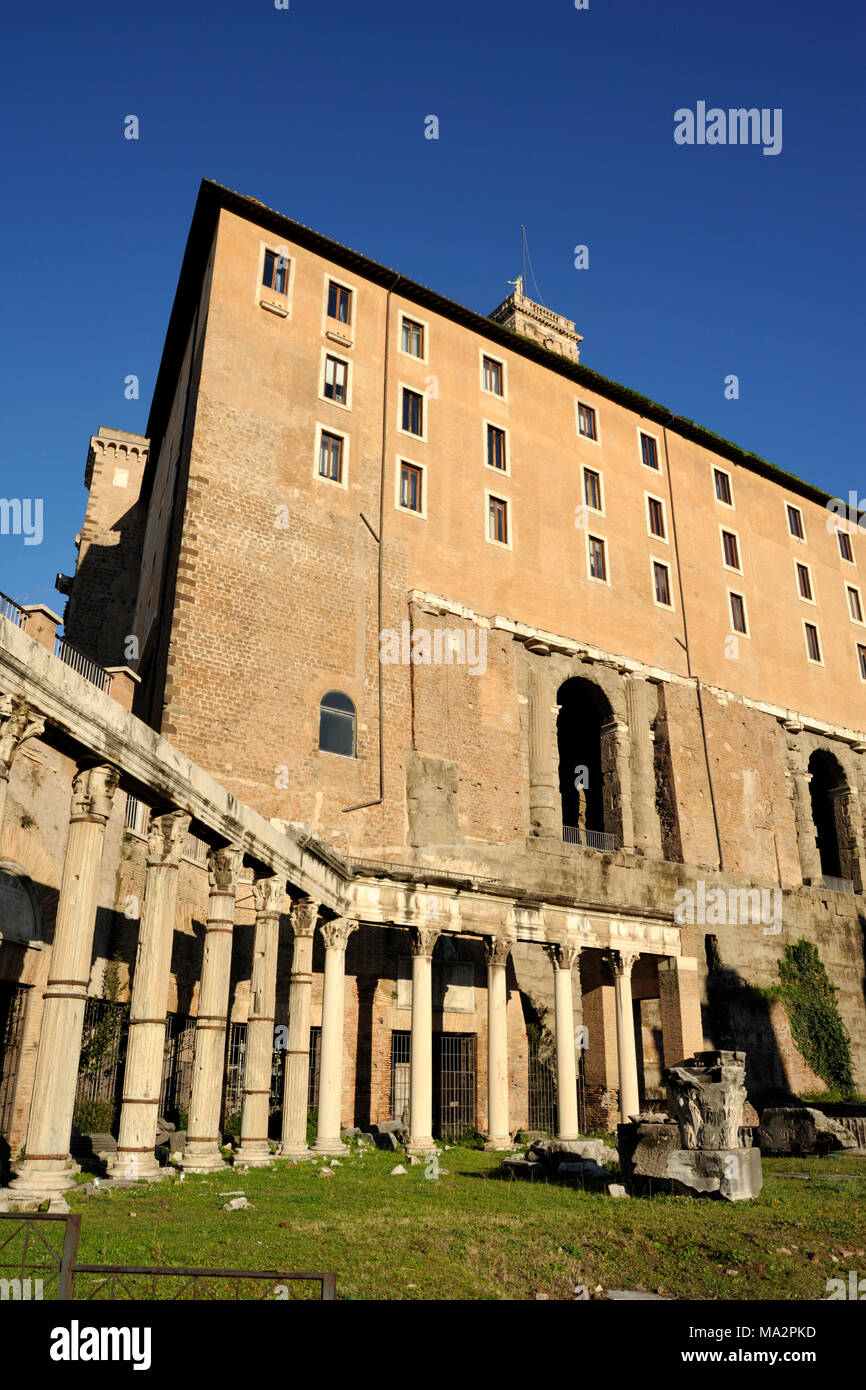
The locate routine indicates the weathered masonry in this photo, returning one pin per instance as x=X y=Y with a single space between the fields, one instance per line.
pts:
x=556 y=696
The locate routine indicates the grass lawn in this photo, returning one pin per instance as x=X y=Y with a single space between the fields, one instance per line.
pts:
x=472 y=1234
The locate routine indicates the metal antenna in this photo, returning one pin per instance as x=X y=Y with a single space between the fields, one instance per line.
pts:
x=523 y=247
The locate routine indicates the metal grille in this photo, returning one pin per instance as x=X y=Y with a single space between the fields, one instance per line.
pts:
x=90 y=670
x=100 y=1066
x=41 y=1249
x=137 y=816
x=12 y=999
x=454 y=1074
x=542 y=1086
x=401 y=1046
x=315 y=1056
x=177 y=1063
x=592 y=839
x=233 y=1094
x=150 y=1283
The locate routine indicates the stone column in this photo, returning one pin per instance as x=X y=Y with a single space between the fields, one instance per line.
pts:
x=621 y=962
x=142 y=1078
x=807 y=844
x=296 y=1084
x=497 y=950
x=616 y=779
x=48 y=1168
x=336 y=936
x=202 y=1149
x=849 y=834
x=18 y=722
x=255 y=1151
x=562 y=957
x=545 y=812
x=421 y=1054
x=680 y=1005
x=645 y=821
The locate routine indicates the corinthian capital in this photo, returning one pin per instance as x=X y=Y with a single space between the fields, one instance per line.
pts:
x=562 y=954
x=422 y=940
x=336 y=934
x=93 y=791
x=166 y=839
x=497 y=949
x=304 y=915
x=223 y=867
x=268 y=895
x=621 y=961
x=18 y=722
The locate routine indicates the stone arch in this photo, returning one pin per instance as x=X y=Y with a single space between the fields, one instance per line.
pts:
x=585 y=715
x=21 y=921
x=827 y=778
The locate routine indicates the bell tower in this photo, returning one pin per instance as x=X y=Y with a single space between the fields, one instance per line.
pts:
x=532 y=320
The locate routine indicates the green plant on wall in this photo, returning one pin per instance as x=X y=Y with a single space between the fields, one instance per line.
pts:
x=816 y=1024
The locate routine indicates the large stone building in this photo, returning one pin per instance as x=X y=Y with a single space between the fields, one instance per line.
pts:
x=519 y=665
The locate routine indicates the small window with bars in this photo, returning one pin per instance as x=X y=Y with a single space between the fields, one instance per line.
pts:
x=813 y=644
x=731 y=550
x=496 y=457
x=795 y=523
x=597 y=558
x=656 y=517
x=738 y=614
x=586 y=422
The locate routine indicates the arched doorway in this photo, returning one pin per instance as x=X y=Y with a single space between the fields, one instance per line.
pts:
x=584 y=710
x=827 y=777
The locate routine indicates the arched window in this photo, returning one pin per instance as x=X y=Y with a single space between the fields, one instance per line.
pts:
x=583 y=711
x=827 y=777
x=337 y=724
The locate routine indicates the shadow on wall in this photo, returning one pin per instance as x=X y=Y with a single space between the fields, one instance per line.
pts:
x=738 y=1017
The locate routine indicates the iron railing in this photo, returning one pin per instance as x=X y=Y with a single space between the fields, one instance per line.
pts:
x=12 y=1004
x=137 y=816
x=26 y=1248
x=592 y=839
x=140 y=1283
x=12 y=611
x=838 y=885
x=90 y=670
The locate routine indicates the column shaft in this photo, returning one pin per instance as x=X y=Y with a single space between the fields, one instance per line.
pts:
x=421 y=1054
x=562 y=958
x=336 y=935
x=142 y=1078
x=629 y=1092
x=645 y=821
x=48 y=1167
x=202 y=1150
x=255 y=1150
x=297 y=1074
x=497 y=950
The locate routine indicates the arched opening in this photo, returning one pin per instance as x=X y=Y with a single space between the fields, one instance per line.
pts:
x=827 y=777
x=583 y=711
x=337 y=724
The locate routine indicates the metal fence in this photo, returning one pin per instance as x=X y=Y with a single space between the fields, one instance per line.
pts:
x=592 y=839
x=152 y=1283
x=90 y=670
x=13 y=1000
x=41 y=1248
x=401 y=1042
x=542 y=1086
x=136 y=816
x=100 y=1068
x=177 y=1062
x=10 y=610
x=454 y=1084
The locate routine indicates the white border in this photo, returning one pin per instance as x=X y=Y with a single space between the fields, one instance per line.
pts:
x=593 y=579
x=731 y=569
x=858 y=647
x=734 y=632
x=400 y=459
x=584 y=438
x=840 y=531
x=492 y=424
x=346 y=330
x=800 y=540
x=663 y=540
x=640 y=429
x=584 y=469
x=273 y=296
x=329 y=429
x=327 y=352
x=811 y=659
x=797 y=562
x=494 y=395
x=425 y=414
x=861 y=621
x=666 y=564
x=714 y=469
x=424 y=325
x=501 y=545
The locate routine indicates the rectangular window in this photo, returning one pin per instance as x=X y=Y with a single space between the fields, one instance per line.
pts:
x=336 y=372
x=738 y=613
x=723 y=486
x=855 y=607
x=496 y=447
x=731 y=549
x=276 y=272
x=498 y=520
x=339 y=302
x=795 y=522
x=656 y=517
x=492 y=375
x=413 y=338
x=813 y=646
x=649 y=451
x=592 y=489
x=804 y=583
x=597 y=559
x=861 y=657
x=413 y=412
x=845 y=546
x=586 y=421
x=662 y=583
x=410 y=487
x=331 y=457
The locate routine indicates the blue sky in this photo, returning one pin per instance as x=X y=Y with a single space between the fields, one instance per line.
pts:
x=703 y=261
